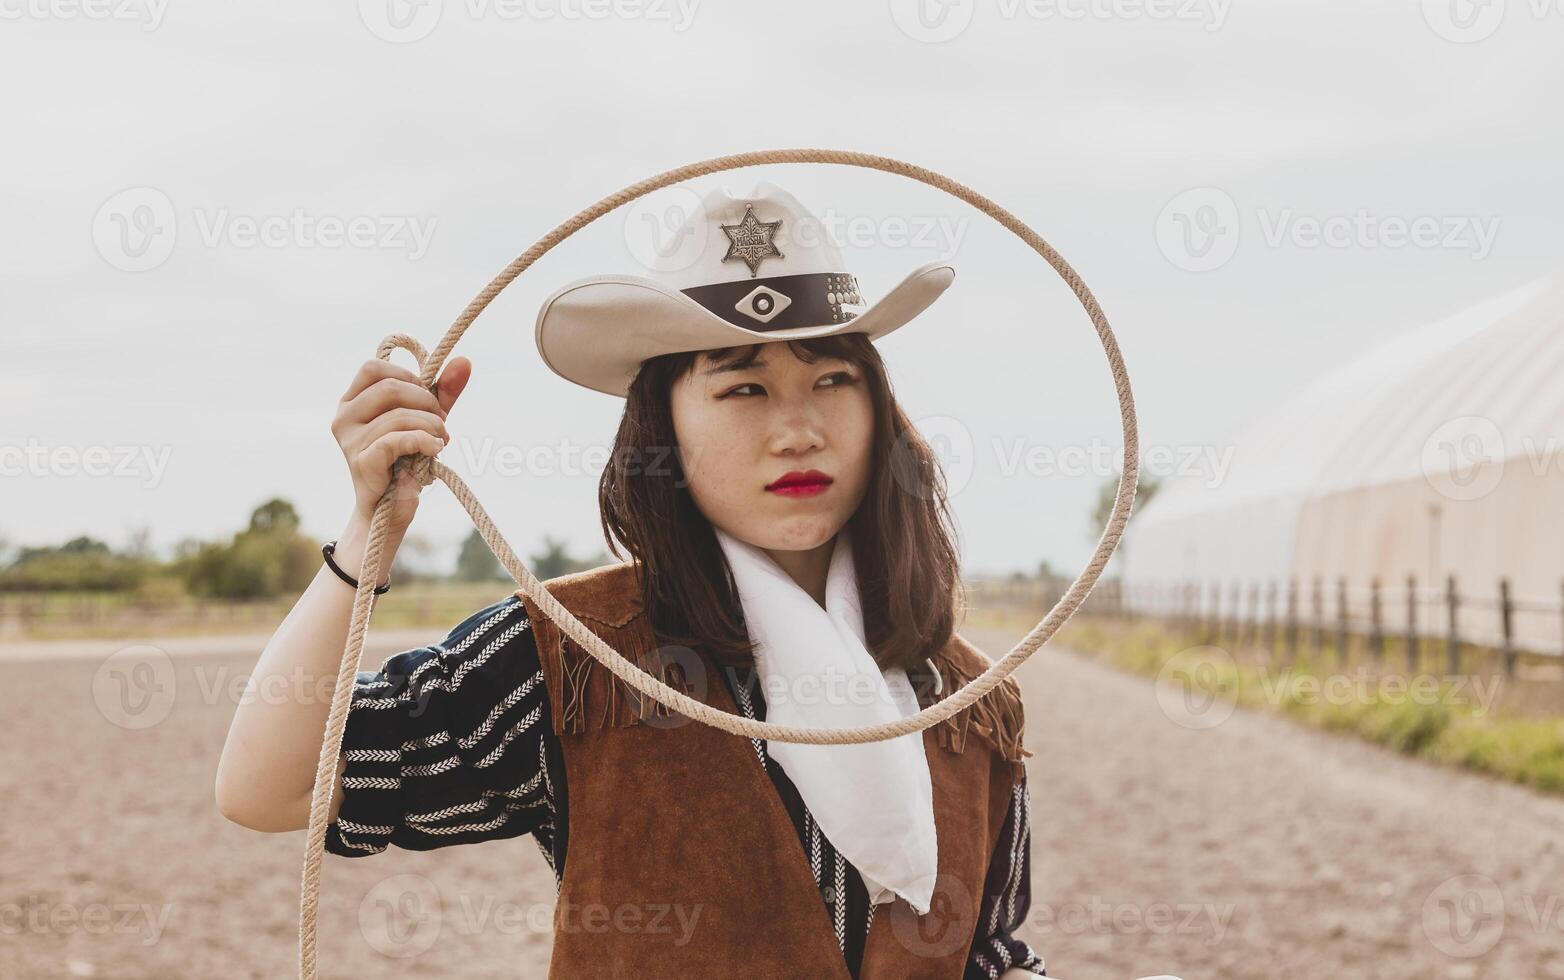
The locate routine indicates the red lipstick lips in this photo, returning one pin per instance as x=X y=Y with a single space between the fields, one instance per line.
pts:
x=800 y=484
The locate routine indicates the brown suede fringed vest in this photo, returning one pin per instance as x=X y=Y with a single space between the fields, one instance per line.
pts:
x=672 y=822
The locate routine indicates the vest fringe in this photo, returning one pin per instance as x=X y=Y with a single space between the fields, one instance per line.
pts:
x=623 y=705
x=575 y=674
x=997 y=718
x=575 y=678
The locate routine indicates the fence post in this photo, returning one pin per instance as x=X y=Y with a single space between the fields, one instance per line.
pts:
x=1270 y=619
x=1341 y=619
x=1377 y=628
x=1219 y=613
x=1218 y=610
x=1453 y=639
x=1316 y=618
x=1292 y=619
x=1225 y=620
x=1235 y=618
x=1201 y=597
x=1413 y=653
x=1240 y=624
x=1255 y=613
x=1506 y=620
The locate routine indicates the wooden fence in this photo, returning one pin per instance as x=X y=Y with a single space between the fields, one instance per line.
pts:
x=1283 y=616
x=1291 y=616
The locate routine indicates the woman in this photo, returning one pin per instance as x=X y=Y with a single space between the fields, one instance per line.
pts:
x=791 y=561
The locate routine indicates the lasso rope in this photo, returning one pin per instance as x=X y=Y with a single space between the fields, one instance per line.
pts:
x=426 y=469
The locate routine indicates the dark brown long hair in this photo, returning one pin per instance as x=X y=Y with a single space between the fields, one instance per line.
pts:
x=901 y=533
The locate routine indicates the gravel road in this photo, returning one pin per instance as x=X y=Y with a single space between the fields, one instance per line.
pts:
x=1251 y=849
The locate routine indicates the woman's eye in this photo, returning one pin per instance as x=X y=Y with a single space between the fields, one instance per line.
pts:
x=840 y=378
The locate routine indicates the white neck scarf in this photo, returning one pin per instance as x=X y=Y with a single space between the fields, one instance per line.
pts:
x=873 y=801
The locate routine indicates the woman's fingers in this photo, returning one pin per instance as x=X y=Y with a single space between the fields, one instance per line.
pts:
x=380 y=387
x=453 y=380
x=403 y=419
x=386 y=395
x=374 y=370
x=376 y=459
x=386 y=414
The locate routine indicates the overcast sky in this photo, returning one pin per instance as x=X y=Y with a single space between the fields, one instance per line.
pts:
x=211 y=214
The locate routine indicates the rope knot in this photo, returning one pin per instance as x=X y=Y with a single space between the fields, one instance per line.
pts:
x=420 y=467
x=422 y=470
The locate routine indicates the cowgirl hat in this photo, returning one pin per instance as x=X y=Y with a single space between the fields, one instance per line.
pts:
x=752 y=269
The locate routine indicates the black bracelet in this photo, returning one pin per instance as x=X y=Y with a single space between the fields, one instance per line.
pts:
x=328 y=549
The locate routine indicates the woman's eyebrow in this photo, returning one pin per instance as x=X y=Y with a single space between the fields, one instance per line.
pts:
x=760 y=365
x=740 y=366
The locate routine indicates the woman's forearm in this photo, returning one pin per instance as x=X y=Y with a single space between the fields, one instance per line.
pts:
x=267 y=769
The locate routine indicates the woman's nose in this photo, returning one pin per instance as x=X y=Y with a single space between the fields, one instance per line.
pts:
x=797 y=429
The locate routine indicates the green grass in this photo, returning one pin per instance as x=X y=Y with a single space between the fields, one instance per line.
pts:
x=1440 y=719
x=101 y=615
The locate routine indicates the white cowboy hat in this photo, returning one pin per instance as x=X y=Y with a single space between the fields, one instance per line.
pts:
x=743 y=270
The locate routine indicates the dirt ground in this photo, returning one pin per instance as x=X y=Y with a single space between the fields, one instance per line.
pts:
x=1246 y=849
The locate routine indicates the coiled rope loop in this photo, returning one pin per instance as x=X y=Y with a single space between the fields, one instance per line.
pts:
x=426 y=469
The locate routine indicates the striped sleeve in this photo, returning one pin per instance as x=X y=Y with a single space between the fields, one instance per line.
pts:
x=446 y=744
x=1007 y=897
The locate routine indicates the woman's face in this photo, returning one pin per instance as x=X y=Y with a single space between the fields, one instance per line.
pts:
x=742 y=430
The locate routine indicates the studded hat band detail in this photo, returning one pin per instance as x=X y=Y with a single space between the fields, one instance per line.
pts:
x=781 y=302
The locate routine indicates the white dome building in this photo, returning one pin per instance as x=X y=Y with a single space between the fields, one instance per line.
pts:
x=1440 y=453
